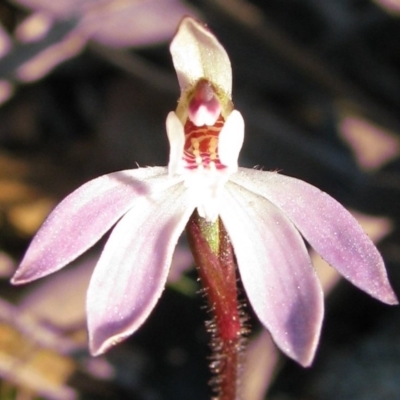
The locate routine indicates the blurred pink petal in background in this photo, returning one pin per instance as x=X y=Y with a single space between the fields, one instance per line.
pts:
x=260 y=365
x=7 y=265
x=118 y=23
x=34 y=28
x=372 y=145
x=50 y=57
x=62 y=28
x=59 y=301
x=390 y=5
x=5 y=42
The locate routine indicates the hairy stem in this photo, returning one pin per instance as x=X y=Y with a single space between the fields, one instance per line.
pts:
x=213 y=254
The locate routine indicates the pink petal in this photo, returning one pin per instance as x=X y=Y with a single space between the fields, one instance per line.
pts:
x=118 y=23
x=392 y=6
x=276 y=271
x=133 y=23
x=52 y=302
x=132 y=271
x=83 y=217
x=34 y=28
x=6 y=91
x=5 y=42
x=260 y=366
x=330 y=229
x=42 y=63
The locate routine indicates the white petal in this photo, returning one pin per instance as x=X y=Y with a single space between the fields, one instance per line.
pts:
x=204 y=187
x=276 y=271
x=176 y=138
x=231 y=140
x=131 y=273
x=196 y=54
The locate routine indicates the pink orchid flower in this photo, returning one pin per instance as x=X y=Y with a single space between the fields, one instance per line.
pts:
x=265 y=214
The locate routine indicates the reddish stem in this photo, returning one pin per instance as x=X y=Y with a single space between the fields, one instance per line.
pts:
x=217 y=271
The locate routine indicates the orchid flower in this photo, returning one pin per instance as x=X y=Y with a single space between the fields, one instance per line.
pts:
x=266 y=215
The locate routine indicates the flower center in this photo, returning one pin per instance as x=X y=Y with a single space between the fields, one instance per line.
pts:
x=201 y=145
x=204 y=149
x=202 y=129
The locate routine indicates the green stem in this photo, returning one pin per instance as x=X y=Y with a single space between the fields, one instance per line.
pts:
x=214 y=258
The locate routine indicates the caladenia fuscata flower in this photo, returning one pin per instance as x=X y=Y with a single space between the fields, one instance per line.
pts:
x=263 y=217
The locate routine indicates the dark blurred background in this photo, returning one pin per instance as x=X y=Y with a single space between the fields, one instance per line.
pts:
x=85 y=88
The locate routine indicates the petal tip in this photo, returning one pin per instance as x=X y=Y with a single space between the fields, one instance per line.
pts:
x=100 y=342
x=306 y=359
x=15 y=280
x=305 y=353
x=21 y=276
x=390 y=298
